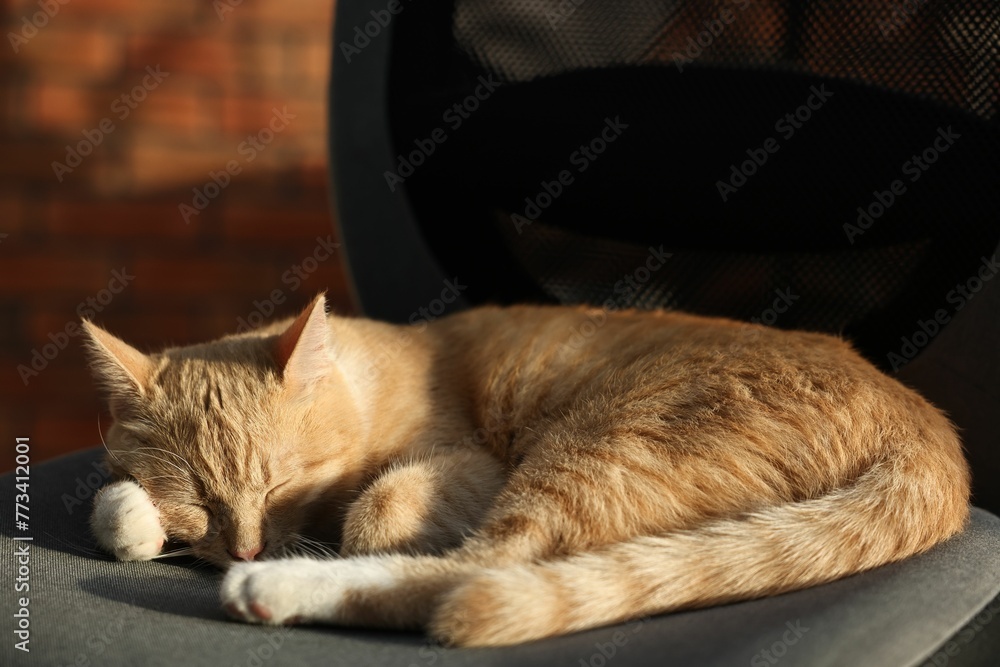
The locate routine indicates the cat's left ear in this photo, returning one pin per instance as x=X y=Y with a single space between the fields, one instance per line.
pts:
x=304 y=352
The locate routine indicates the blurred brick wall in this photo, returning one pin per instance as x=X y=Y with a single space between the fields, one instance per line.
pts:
x=202 y=83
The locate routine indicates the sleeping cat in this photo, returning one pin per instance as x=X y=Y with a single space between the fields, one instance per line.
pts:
x=493 y=484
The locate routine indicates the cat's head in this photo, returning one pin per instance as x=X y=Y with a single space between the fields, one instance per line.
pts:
x=238 y=442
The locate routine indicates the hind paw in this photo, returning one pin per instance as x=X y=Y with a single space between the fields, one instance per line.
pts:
x=488 y=610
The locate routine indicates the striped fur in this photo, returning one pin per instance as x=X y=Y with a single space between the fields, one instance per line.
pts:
x=508 y=474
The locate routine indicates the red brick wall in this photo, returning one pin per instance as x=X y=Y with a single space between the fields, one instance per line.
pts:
x=65 y=229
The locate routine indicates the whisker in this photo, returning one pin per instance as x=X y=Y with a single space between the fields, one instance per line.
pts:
x=314 y=547
x=183 y=551
x=166 y=451
x=106 y=448
x=139 y=451
x=79 y=547
x=325 y=548
x=200 y=563
x=299 y=547
x=173 y=477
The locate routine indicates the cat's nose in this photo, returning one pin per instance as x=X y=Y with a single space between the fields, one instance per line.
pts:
x=246 y=554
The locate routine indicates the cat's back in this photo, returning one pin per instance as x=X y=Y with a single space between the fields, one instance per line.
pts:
x=567 y=336
x=661 y=366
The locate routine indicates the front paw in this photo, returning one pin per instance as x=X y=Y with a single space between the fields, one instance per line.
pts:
x=276 y=592
x=298 y=590
x=126 y=522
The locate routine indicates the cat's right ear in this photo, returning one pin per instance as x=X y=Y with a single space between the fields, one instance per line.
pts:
x=119 y=368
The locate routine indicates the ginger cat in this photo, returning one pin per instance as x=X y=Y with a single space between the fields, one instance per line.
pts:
x=491 y=482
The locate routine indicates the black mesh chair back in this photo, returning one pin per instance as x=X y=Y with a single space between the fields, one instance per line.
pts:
x=824 y=166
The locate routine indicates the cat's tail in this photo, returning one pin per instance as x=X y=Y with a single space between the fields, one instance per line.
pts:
x=897 y=508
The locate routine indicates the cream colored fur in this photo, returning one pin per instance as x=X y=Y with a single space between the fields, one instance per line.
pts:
x=492 y=483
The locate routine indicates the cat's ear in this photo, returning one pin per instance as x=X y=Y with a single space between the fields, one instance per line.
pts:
x=122 y=370
x=304 y=352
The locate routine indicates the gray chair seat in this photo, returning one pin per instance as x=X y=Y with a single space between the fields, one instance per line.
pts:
x=86 y=609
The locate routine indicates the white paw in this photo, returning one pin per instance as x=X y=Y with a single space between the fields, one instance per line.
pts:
x=126 y=522
x=298 y=590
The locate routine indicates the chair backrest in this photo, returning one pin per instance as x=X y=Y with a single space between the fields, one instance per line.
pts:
x=827 y=166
